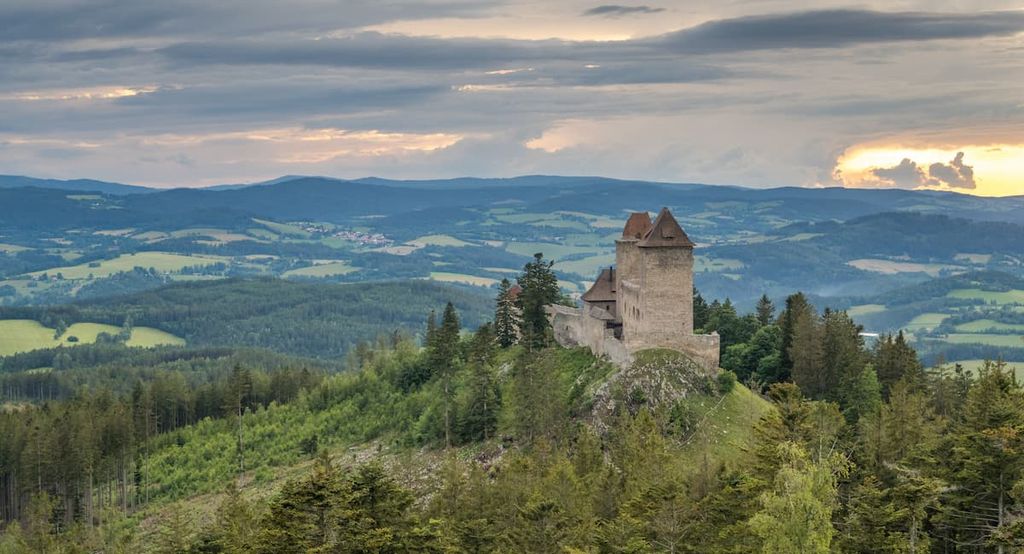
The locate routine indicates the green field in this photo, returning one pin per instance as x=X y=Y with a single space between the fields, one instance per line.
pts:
x=924 y=321
x=865 y=309
x=438 y=240
x=701 y=263
x=161 y=261
x=322 y=270
x=586 y=267
x=890 y=267
x=983 y=325
x=446 y=277
x=999 y=297
x=23 y=335
x=552 y=250
x=1004 y=341
x=12 y=248
x=284 y=228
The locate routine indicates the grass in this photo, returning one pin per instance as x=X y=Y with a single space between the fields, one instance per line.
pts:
x=438 y=240
x=865 y=309
x=552 y=250
x=587 y=267
x=12 y=248
x=726 y=431
x=802 y=237
x=702 y=263
x=890 y=267
x=974 y=365
x=284 y=228
x=446 y=277
x=980 y=259
x=23 y=335
x=161 y=261
x=322 y=270
x=999 y=297
x=983 y=325
x=929 y=320
x=218 y=235
x=1002 y=341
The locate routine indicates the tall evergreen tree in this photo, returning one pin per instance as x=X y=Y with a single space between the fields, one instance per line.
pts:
x=479 y=415
x=798 y=310
x=540 y=289
x=444 y=361
x=765 y=310
x=701 y=310
x=894 y=360
x=506 y=316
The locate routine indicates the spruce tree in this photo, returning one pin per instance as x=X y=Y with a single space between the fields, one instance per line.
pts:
x=506 y=324
x=798 y=311
x=479 y=415
x=540 y=289
x=765 y=310
x=701 y=311
x=444 y=360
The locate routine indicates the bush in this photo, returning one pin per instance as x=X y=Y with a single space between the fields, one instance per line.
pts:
x=726 y=382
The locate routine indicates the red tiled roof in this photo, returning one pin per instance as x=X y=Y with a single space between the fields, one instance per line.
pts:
x=637 y=225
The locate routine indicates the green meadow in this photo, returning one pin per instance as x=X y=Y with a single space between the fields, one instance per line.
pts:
x=161 y=261
x=23 y=335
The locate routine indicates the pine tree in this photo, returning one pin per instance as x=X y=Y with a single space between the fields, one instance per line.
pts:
x=862 y=396
x=444 y=361
x=701 y=311
x=894 y=360
x=805 y=352
x=798 y=312
x=765 y=310
x=479 y=415
x=540 y=289
x=506 y=325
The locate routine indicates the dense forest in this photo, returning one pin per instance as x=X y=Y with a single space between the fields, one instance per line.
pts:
x=302 y=319
x=493 y=441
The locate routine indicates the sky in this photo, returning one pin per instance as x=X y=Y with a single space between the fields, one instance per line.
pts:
x=759 y=93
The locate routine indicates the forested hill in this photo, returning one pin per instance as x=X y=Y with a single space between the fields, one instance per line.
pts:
x=305 y=319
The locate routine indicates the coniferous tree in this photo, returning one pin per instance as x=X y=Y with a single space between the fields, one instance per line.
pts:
x=701 y=311
x=843 y=356
x=479 y=415
x=805 y=351
x=540 y=289
x=798 y=311
x=506 y=324
x=444 y=360
x=765 y=310
x=894 y=360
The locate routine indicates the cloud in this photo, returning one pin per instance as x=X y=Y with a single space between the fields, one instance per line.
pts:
x=836 y=28
x=955 y=174
x=908 y=174
x=905 y=175
x=615 y=10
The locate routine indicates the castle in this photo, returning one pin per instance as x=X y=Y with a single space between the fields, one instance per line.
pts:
x=644 y=301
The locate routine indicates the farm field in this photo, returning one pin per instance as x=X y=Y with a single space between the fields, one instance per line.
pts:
x=446 y=277
x=23 y=335
x=890 y=267
x=984 y=325
x=161 y=261
x=553 y=251
x=865 y=309
x=999 y=297
x=587 y=267
x=438 y=240
x=1004 y=341
x=322 y=270
x=924 y=321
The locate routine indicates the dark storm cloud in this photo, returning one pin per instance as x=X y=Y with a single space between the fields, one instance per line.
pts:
x=834 y=29
x=614 y=10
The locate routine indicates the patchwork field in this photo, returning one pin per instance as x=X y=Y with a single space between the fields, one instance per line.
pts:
x=985 y=325
x=553 y=251
x=865 y=309
x=161 y=261
x=438 y=240
x=1003 y=341
x=926 y=321
x=23 y=335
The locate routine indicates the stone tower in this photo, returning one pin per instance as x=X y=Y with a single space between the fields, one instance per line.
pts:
x=645 y=301
x=657 y=297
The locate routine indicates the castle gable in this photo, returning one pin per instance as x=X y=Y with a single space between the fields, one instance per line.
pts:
x=603 y=289
x=665 y=231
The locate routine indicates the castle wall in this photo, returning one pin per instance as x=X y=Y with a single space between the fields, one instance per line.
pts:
x=666 y=294
x=627 y=268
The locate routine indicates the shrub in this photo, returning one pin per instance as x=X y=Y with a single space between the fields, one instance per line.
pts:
x=726 y=382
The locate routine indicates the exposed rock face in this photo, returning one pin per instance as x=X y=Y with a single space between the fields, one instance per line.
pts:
x=657 y=377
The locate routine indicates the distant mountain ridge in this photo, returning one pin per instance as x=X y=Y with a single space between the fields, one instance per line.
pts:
x=73 y=185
